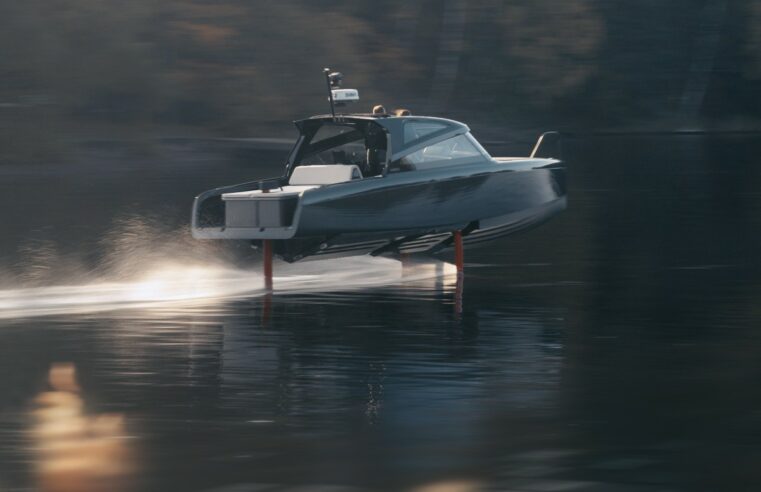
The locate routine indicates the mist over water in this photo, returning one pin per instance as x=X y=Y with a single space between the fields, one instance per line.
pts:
x=177 y=283
x=141 y=265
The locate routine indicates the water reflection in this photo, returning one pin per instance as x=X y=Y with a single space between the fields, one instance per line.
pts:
x=394 y=399
x=77 y=451
x=329 y=393
x=451 y=486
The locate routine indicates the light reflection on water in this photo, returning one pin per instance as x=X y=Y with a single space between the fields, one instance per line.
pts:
x=76 y=451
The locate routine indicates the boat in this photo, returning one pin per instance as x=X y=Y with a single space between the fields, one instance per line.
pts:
x=385 y=183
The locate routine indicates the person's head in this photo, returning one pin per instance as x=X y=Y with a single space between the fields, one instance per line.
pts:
x=402 y=112
x=379 y=109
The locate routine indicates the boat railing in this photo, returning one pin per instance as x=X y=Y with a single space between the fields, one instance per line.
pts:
x=549 y=144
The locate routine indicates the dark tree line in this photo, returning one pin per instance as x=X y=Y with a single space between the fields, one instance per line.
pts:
x=87 y=68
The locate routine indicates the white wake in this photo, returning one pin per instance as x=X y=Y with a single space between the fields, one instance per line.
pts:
x=175 y=283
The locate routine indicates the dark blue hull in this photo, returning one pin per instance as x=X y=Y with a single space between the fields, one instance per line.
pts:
x=404 y=212
x=445 y=202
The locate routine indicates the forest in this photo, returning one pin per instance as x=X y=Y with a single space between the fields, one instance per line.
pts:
x=78 y=70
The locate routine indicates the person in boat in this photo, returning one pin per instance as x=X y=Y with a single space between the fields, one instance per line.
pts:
x=375 y=143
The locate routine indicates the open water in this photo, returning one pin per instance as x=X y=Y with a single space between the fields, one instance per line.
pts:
x=616 y=347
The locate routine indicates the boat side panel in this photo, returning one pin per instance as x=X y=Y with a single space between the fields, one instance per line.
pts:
x=437 y=202
x=496 y=228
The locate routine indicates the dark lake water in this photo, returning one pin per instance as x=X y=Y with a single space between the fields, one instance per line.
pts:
x=617 y=347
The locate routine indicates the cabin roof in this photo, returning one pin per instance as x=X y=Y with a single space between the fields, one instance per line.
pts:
x=394 y=126
x=385 y=120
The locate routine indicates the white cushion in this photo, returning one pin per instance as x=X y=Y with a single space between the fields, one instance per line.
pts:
x=274 y=193
x=324 y=174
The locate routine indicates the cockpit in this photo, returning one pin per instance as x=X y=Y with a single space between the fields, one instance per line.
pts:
x=379 y=146
x=362 y=143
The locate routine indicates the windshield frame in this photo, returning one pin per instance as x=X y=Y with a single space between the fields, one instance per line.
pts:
x=396 y=165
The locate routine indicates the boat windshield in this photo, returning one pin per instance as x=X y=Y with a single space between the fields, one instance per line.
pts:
x=459 y=149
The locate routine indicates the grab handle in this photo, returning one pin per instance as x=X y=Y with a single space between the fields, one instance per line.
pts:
x=548 y=143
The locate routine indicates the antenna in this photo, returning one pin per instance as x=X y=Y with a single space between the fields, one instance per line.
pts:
x=336 y=95
x=327 y=73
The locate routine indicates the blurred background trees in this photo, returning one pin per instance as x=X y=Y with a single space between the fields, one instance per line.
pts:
x=79 y=69
x=753 y=45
